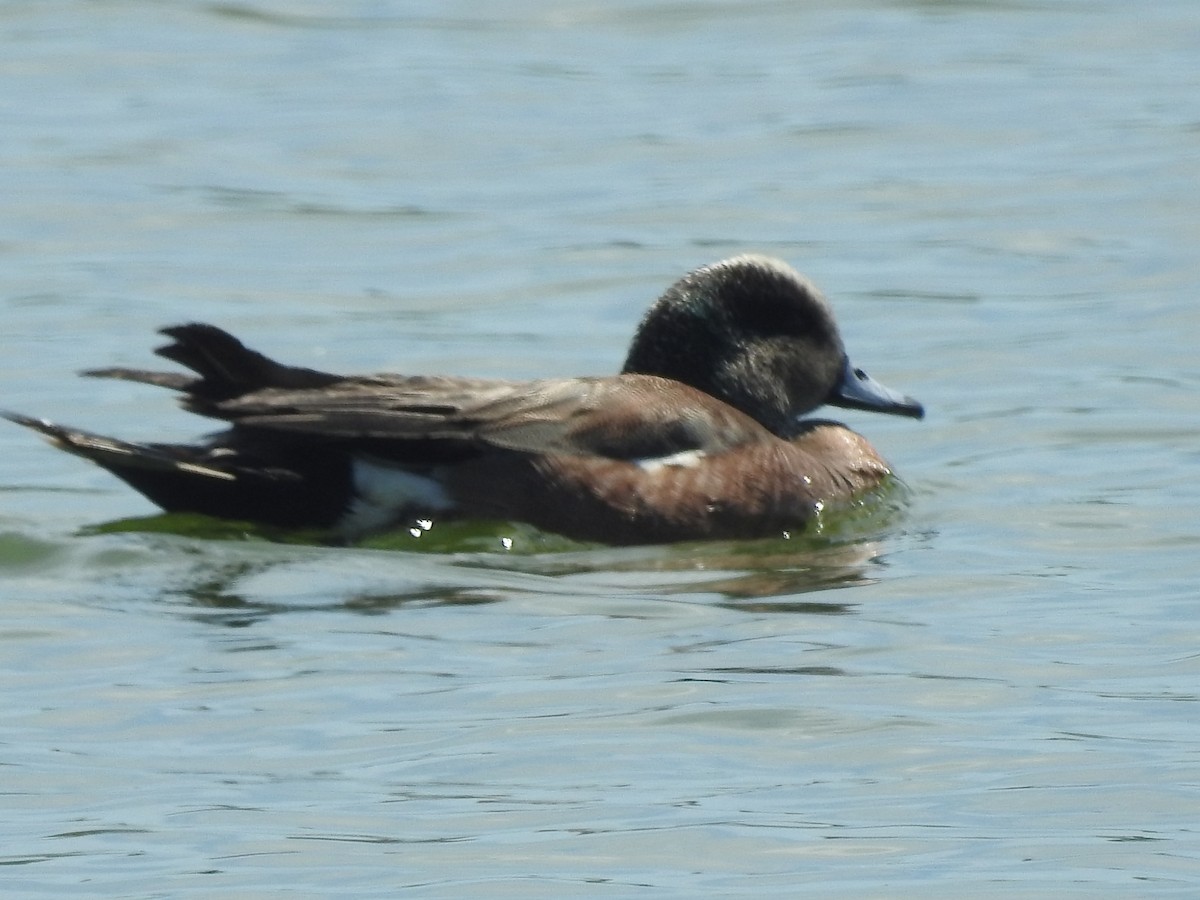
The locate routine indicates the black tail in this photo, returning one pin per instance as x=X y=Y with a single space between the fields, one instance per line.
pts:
x=119 y=456
x=226 y=367
x=292 y=488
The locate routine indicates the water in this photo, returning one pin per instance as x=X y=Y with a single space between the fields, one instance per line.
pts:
x=995 y=695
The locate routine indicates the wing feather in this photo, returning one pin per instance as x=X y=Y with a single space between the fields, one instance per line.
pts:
x=626 y=417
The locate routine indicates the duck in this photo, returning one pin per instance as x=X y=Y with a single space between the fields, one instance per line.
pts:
x=703 y=435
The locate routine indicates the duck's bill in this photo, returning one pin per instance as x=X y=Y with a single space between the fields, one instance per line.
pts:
x=858 y=390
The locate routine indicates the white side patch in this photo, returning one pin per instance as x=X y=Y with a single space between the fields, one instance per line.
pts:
x=685 y=459
x=383 y=494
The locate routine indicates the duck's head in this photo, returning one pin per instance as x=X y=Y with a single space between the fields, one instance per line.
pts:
x=754 y=333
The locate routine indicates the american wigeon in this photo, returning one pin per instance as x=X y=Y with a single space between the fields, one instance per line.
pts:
x=699 y=437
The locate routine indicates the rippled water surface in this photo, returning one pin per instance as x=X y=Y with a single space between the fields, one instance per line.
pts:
x=992 y=693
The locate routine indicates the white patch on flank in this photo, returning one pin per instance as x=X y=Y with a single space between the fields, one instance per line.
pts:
x=383 y=493
x=685 y=459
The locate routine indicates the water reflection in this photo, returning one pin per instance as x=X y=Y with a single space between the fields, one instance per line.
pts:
x=752 y=576
x=238 y=575
x=239 y=590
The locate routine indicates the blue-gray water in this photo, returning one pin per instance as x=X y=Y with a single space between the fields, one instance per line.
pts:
x=993 y=696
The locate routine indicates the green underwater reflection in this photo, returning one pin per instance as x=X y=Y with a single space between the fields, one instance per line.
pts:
x=236 y=577
x=869 y=515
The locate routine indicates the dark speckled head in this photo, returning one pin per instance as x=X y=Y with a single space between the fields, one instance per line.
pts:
x=754 y=333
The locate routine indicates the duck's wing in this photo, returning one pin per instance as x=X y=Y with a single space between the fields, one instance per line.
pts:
x=631 y=417
x=425 y=418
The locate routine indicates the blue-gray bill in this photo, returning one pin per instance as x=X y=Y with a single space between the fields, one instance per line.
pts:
x=858 y=390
